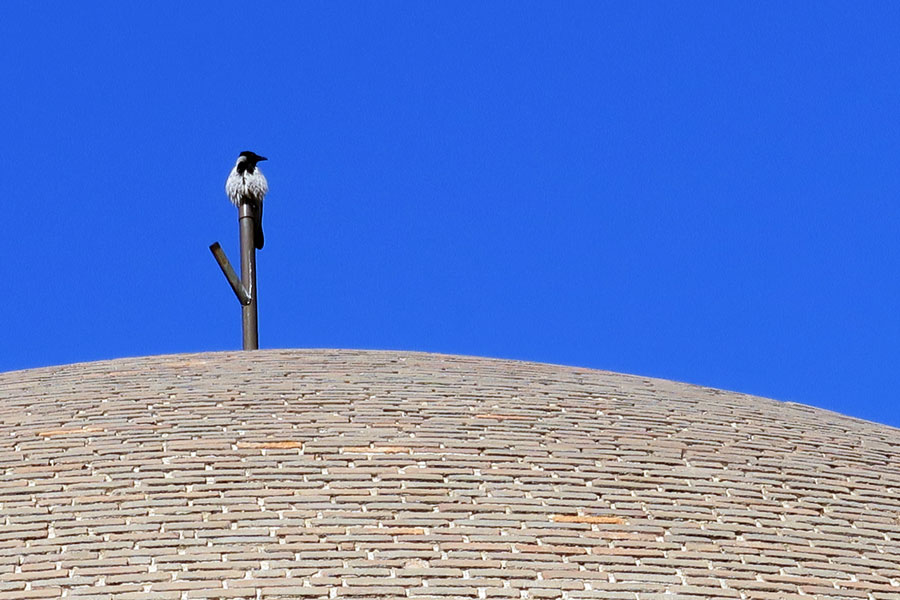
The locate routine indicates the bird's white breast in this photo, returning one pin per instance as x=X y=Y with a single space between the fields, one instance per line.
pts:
x=246 y=186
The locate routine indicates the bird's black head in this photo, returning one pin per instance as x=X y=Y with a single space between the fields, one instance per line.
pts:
x=252 y=157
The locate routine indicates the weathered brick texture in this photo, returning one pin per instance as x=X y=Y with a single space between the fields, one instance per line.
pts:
x=329 y=474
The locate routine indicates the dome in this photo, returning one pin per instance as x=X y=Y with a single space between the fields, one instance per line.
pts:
x=332 y=473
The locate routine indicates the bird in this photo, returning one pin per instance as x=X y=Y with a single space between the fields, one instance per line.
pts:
x=246 y=183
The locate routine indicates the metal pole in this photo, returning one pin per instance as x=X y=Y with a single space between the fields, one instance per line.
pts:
x=249 y=320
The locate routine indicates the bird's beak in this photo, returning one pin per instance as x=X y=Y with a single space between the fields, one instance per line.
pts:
x=259 y=158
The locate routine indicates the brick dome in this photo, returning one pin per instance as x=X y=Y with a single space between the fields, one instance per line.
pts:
x=323 y=474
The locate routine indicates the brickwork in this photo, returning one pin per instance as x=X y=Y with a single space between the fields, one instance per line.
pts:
x=330 y=474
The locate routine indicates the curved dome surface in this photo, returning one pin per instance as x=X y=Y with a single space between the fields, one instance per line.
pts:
x=324 y=474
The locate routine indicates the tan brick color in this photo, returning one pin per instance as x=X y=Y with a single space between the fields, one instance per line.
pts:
x=324 y=474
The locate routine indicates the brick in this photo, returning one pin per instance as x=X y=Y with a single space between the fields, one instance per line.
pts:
x=286 y=474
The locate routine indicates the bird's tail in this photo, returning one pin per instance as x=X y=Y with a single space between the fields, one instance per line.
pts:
x=258 y=233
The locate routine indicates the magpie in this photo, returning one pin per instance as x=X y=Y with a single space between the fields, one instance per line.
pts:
x=246 y=183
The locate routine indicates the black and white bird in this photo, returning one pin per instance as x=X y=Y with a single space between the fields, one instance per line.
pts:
x=246 y=183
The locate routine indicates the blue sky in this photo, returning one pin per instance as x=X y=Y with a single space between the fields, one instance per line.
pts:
x=705 y=192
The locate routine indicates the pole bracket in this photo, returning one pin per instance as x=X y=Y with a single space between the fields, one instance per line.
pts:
x=242 y=294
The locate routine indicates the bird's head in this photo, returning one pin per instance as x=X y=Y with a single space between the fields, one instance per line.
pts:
x=250 y=157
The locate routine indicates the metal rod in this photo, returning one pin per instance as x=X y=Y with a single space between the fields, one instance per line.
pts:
x=239 y=291
x=250 y=324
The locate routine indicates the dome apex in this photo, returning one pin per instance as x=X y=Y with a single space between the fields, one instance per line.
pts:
x=324 y=473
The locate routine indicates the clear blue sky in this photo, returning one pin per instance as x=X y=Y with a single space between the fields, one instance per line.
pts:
x=705 y=192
